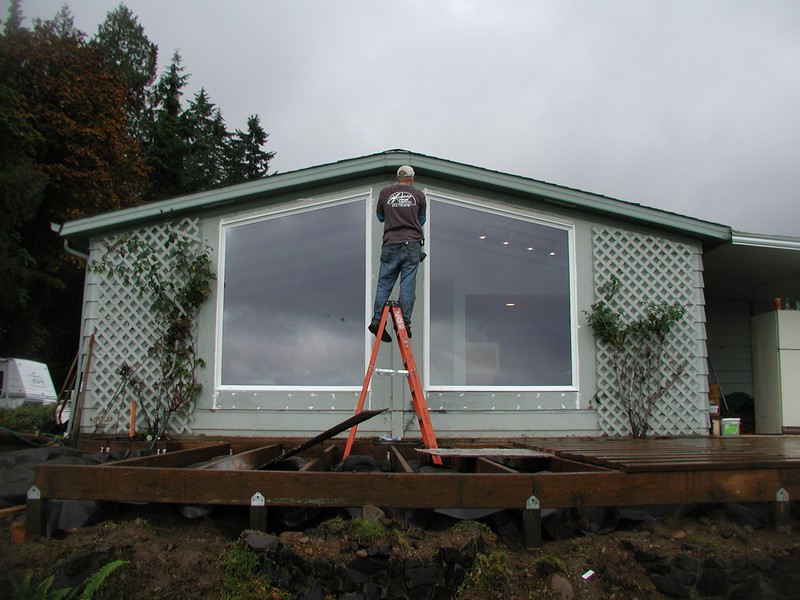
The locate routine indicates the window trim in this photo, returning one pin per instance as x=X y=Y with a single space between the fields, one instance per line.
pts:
x=521 y=215
x=299 y=207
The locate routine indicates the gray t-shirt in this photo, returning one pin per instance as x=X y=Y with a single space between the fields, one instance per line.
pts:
x=401 y=206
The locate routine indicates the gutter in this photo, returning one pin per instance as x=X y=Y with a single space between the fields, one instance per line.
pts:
x=70 y=250
x=762 y=240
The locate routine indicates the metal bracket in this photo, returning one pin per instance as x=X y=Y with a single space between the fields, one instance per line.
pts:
x=34 y=493
x=782 y=496
x=532 y=503
x=257 y=499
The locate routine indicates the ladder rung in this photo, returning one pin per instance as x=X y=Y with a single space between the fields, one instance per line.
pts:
x=391 y=371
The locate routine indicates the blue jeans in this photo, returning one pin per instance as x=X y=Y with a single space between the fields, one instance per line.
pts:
x=398 y=260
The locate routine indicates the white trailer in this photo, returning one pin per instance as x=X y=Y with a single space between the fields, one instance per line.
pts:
x=25 y=382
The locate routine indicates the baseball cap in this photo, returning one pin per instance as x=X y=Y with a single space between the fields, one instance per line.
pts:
x=405 y=171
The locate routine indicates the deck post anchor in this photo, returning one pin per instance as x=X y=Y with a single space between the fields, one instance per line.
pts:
x=258 y=512
x=33 y=514
x=532 y=523
x=782 y=511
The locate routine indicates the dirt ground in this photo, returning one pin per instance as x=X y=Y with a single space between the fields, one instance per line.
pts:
x=172 y=556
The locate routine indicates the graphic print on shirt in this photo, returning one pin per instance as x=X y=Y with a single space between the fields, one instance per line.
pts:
x=401 y=200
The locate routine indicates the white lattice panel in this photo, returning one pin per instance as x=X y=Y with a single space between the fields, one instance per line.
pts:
x=651 y=269
x=125 y=332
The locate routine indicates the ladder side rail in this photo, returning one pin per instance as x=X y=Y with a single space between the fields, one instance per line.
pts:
x=367 y=377
x=414 y=383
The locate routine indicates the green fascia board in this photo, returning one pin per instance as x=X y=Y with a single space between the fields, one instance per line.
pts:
x=384 y=163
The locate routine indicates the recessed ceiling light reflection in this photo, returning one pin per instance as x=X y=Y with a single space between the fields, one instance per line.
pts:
x=511 y=304
x=481 y=237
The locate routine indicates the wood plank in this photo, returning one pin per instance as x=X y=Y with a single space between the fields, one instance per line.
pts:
x=486 y=465
x=329 y=457
x=193 y=486
x=399 y=463
x=488 y=452
x=179 y=458
x=564 y=490
x=244 y=461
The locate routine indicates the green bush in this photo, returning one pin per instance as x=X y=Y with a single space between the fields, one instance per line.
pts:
x=28 y=418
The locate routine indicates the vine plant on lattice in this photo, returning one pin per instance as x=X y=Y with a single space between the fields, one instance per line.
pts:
x=637 y=352
x=176 y=279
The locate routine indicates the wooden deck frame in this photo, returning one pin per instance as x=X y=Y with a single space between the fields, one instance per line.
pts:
x=564 y=473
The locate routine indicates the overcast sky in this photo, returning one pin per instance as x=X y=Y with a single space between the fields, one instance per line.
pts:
x=691 y=106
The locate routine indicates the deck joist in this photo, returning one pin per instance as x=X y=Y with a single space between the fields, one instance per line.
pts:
x=525 y=474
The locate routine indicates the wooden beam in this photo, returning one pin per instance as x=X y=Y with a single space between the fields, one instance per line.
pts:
x=194 y=486
x=564 y=490
x=179 y=458
x=245 y=461
x=399 y=463
x=324 y=462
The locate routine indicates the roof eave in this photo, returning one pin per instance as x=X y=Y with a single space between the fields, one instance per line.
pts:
x=385 y=162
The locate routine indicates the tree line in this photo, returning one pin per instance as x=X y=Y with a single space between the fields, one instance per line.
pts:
x=88 y=126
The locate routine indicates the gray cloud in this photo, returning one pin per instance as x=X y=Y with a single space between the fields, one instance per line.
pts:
x=688 y=106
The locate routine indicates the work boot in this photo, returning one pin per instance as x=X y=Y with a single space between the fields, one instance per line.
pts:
x=373 y=329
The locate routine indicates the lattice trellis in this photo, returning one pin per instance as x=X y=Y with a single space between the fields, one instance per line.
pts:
x=651 y=269
x=125 y=331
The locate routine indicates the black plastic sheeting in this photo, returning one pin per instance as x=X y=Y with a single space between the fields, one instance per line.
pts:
x=17 y=471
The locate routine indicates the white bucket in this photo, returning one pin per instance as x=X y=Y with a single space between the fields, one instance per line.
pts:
x=730 y=426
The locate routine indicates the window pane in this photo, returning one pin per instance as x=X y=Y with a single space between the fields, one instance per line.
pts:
x=500 y=300
x=294 y=299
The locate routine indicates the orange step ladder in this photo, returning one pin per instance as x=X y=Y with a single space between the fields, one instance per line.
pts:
x=410 y=371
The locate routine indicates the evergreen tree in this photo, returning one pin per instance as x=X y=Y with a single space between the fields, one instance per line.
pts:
x=246 y=158
x=166 y=146
x=207 y=143
x=124 y=46
x=14 y=20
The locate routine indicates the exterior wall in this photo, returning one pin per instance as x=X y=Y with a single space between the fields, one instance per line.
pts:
x=730 y=346
x=653 y=268
x=669 y=269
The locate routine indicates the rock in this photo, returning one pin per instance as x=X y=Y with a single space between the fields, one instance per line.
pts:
x=726 y=531
x=679 y=535
x=261 y=542
x=712 y=582
x=561 y=587
x=749 y=590
x=373 y=513
x=420 y=576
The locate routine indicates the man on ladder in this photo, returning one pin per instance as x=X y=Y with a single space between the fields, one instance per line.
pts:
x=402 y=209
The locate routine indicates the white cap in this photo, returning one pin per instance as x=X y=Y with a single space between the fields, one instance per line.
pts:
x=405 y=171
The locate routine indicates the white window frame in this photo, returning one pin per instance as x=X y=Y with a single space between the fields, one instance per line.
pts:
x=299 y=207
x=531 y=217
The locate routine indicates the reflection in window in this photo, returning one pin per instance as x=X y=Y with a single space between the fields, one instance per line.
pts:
x=293 y=299
x=499 y=300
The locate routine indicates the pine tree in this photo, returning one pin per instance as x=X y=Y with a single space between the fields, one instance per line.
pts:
x=246 y=159
x=207 y=142
x=124 y=46
x=165 y=145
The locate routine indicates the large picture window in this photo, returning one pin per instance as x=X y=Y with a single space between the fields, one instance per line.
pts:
x=500 y=302
x=293 y=298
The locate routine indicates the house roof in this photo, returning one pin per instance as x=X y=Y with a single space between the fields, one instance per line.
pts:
x=386 y=163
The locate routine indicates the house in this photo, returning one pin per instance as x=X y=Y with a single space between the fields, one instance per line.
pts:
x=500 y=333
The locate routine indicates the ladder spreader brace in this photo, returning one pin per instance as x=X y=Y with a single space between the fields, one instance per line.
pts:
x=410 y=371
